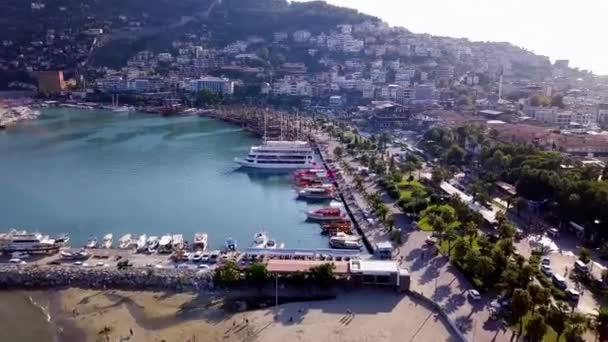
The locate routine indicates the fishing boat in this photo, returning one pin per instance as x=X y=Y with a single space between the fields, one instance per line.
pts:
x=92 y=243
x=271 y=244
x=316 y=193
x=142 y=243
x=200 y=242
x=336 y=227
x=259 y=240
x=107 y=241
x=326 y=214
x=152 y=244
x=231 y=245
x=164 y=245
x=311 y=175
x=125 y=241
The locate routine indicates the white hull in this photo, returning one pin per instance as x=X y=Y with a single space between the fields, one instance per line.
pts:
x=252 y=165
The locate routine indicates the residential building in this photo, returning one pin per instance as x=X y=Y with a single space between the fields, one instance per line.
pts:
x=424 y=92
x=301 y=36
x=215 y=84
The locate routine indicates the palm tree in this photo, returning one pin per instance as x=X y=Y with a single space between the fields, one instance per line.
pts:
x=416 y=193
x=536 y=328
x=520 y=305
x=600 y=323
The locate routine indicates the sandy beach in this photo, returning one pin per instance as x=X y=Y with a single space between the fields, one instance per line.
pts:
x=156 y=316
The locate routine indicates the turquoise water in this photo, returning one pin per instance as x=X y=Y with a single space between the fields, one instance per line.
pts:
x=96 y=172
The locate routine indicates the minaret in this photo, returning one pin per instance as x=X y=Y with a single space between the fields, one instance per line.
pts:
x=500 y=83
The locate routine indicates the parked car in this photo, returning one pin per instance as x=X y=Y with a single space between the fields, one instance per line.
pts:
x=546 y=269
x=553 y=232
x=580 y=266
x=14 y=260
x=545 y=261
x=559 y=281
x=573 y=295
x=474 y=294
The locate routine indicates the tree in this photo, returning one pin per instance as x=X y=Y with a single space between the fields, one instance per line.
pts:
x=520 y=305
x=227 y=274
x=540 y=101
x=450 y=235
x=557 y=316
x=206 y=97
x=455 y=155
x=538 y=296
x=323 y=275
x=479 y=190
x=460 y=250
x=600 y=323
x=521 y=204
x=438 y=175
x=536 y=328
x=390 y=222
x=338 y=152
x=470 y=230
x=416 y=194
x=257 y=274
x=506 y=230
x=382 y=211
x=585 y=255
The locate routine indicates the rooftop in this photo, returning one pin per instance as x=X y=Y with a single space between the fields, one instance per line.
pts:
x=290 y=266
x=374 y=267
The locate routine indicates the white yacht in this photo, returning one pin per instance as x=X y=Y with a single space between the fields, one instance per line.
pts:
x=142 y=243
x=164 y=245
x=282 y=155
x=200 y=242
x=177 y=243
x=260 y=240
x=152 y=244
x=107 y=241
x=125 y=241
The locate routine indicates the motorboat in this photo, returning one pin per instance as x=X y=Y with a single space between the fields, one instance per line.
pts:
x=177 y=242
x=326 y=214
x=152 y=244
x=200 y=242
x=164 y=245
x=107 y=241
x=260 y=239
x=312 y=174
x=142 y=243
x=231 y=245
x=92 y=243
x=205 y=257
x=196 y=256
x=80 y=255
x=316 y=193
x=344 y=241
x=62 y=239
x=125 y=241
x=336 y=227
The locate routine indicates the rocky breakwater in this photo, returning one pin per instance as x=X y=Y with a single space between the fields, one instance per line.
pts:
x=12 y=115
x=41 y=277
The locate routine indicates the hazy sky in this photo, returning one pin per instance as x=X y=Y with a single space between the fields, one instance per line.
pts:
x=560 y=29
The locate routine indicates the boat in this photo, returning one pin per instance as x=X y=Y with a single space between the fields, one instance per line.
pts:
x=107 y=241
x=200 y=242
x=92 y=243
x=164 y=245
x=125 y=241
x=260 y=239
x=231 y=245
x=177 y=242
x=344 y=241
x=279 y=155
x=142 y=243
x=336 y=227
x=326 y=214
x=152 y=244
x=62 y=239
x=196 y=256
x=315 y=174
x=22 y=241
x=271 y=244
x=80 y=255
x=316 y=193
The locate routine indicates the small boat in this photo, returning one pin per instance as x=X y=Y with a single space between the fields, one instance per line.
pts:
x=152 y=244
x=231 y=245
x=164 y=245
x=326 y=214
x=336 y=227
x=205 y=257
x=196 y=256
x=92 y=243
x=200 y=242
x=260 y=239
x=80 y=255
x=310 y=174
x=316 y=193
x=345 y=241
x=125 y=241
x=107 y=241
x=142 y=243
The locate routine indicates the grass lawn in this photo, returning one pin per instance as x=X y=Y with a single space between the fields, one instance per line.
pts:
x=425 y=225
x=405 y=189
x=550 y=335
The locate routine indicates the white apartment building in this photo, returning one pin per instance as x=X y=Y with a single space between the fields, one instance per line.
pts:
x=301 y=36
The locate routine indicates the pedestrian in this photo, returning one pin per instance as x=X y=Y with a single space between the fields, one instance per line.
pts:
x=247 y=321
x=291 y=319
x=233 y=324
x=131 y=331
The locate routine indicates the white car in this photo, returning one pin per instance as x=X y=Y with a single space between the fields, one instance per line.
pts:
x=158 y=266
x=182 y=266
x=546 y=269
x=99 y=264
x=203 y=266
x=77 y=263
x=15 y=261
x=474 y=294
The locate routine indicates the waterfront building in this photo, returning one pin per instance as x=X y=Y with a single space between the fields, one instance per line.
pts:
x=215 y=84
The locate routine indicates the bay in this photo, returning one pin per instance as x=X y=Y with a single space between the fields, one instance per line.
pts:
x=89 y=173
